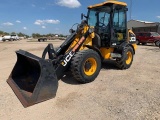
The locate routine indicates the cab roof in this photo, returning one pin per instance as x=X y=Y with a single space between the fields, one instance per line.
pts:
x=108 y=2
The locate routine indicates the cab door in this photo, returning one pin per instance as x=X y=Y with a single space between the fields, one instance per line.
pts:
x=119 y=26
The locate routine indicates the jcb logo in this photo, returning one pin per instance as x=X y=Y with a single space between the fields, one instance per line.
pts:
x=132 y=39
x=67 y=59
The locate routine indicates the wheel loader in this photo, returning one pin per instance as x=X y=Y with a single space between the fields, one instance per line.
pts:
x=101 y=35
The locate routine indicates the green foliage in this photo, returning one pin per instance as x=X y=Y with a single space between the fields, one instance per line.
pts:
x=13 y=33
x=34 y=35
x=22 y=35
x=37 y=35
x=2 y=33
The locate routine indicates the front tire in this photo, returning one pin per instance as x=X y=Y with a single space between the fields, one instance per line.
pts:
x=86 y=65
x=126 y=61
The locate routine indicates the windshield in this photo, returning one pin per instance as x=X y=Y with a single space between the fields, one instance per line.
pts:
x=155 y=34
x=99 y=16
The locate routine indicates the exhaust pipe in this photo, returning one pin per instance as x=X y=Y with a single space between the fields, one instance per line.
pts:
x=33 y=79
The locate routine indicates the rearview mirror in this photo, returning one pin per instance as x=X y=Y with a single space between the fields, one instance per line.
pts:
x=126 y=9
x=82 y=16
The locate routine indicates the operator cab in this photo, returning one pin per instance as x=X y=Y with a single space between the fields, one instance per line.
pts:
x=110 y=22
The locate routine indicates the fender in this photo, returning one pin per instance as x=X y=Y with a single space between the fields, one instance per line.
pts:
x=123 y=45
x=95 y=49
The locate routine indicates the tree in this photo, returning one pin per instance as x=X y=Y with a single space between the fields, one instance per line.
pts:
x=5 y=33
x=21 y=34
x=36 y=35
x=1 y=32
x=13 y=33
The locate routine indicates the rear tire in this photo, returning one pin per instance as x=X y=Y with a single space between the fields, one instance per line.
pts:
x=126 y=61
x=86 y=65
x=137 y=41
x=157 y=43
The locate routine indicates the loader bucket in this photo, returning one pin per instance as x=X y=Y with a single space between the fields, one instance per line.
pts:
x=33 y=79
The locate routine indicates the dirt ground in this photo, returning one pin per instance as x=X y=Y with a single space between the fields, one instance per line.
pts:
x=132 y=94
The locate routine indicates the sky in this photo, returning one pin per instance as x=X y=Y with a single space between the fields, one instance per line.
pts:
x=58 y=16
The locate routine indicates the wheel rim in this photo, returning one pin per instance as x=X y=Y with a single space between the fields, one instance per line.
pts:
x=129 y=58
x=90 y=66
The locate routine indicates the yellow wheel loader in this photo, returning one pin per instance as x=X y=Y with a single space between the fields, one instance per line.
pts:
x=103 y=35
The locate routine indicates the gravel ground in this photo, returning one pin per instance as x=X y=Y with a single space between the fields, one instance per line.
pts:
x=131 y=94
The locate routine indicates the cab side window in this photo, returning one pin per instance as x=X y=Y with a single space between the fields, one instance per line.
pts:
x=119 y=25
